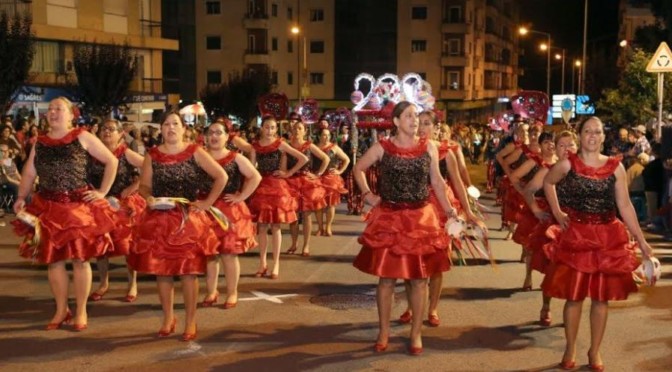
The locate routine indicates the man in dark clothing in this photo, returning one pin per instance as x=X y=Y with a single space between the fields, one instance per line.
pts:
x=355 y=201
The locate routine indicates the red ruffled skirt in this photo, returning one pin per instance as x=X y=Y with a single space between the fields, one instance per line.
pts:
x=514 y=203
x=526 y=224
x=334 y=186
x=240 y=237
x=308 y=192
x=69 y=231
x=127 y=217
x=403 y=243
x=590 y=260
x=273 y=202
x=537 y=239
x=165 y=244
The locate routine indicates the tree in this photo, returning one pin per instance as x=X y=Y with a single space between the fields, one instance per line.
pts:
x=238 y=95
x=104 y=74
x=635 y=99
x=17 y=48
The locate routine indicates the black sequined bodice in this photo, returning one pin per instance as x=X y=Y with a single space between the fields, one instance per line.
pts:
x=61 y=167
x=334 y=161
x=124 y=178
x=587 y=195
x=291 y=161
x=521 y=159
x=404 y=179
x=528 y=177
x=269 y=162
x=179 y=179
x=234 y=184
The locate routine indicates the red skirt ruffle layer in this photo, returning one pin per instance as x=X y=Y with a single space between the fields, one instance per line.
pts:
x=403 y=243
x=308 y=192
x=334 y=186
x=590 y=260
x=535 y=245
x=240 y=237
x=162 y=248
x=272 y=202
x=127 y=217
x=513 y=204
x=526 y=224
x=69 y=231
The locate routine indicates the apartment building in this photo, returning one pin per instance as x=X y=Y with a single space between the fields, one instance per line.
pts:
x=467 y=49
x=293 y=38
x=60 y=24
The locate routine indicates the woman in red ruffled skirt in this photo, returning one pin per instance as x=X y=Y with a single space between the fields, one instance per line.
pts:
x=332 y=182
x=403 y=237
x=130 y=205
x=591 y=253
x=241 y=232
x=272 y=202
x=73 y=219
x=175 y=237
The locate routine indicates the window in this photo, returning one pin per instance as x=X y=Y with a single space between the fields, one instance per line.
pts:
x=290 y=13
x=274 y=10
x=316 y=15
x=454 y=47
x=214 y=77
x=418 y=46
x=274 y=77
x=419 y=12
x=213 y=43
x=212 y=7
x=48 y=57
x=455 y=14
x=290 y=46
x=316 y=78
x=274 y=44
x=454 y=80
x=290 y=78
x=317 y=47
x=119 y=8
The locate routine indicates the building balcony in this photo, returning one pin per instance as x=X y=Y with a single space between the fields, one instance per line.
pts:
x=255 y=22
x=459 y=94
x=455 y=27
x=256 y=57
x=454 y=60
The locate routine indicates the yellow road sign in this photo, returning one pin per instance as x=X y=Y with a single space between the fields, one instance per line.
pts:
x=662 y=59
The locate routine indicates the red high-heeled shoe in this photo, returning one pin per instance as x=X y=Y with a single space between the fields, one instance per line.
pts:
x=209 y=302
x=415 y=351
x=290 y=251
x=545 y=317
x=379 y=348
x=188 y=336
x=170 y=330
x=433 y=320
x=95 y=296
x=595 y=367
x=261 y=273
x=230 y=305
x=130 y=298
x=54 y=326
x=79 y=327
x=567 y=364
x=406 y=317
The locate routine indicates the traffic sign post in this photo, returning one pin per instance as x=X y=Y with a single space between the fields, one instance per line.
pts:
x=660 y=63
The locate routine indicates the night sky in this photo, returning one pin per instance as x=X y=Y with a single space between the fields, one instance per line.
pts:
x=563 y=19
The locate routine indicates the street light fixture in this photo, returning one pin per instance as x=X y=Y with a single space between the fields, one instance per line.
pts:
x=577 y=66
x=559 y=57
x=524 y=31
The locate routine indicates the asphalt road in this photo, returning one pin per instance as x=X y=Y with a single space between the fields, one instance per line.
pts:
x=321 y=315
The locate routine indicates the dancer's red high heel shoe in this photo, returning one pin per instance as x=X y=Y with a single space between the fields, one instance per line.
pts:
x=188 y=336
x=595 y=367
x=54 y=326
x=415 y=351
x=545 y=317
x=209 y=302
x=567 y=364
x=261 y=273
x=433 y=320
x=170 y=330
x=406 y=317
x=379 y=347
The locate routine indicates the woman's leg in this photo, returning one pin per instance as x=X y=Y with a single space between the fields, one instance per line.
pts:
x=598 y=323
x=527 y=283
x=232 y=272
x=263 y=242
x=307 y=228
x=166 y=296
x=435 y=287
x=384 y=297
x=103 y=264
x=331 y=214
x=58 y=282
x=190 y=294
x=211 y=277
x=81 y=278
x=276 y=241
x=572 y=318
x=132 y=283
x=418 y=298
x=294 y=232
x=319 y=216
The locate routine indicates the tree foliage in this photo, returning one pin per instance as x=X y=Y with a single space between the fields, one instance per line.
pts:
x=17 y=48
x=635 y=99
x=104 y=74
x=238 y=95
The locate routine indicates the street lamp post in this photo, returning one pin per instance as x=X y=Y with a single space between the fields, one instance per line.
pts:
x=524 y=31
x=559 y=57
x=577 y=65
x=296 y=31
